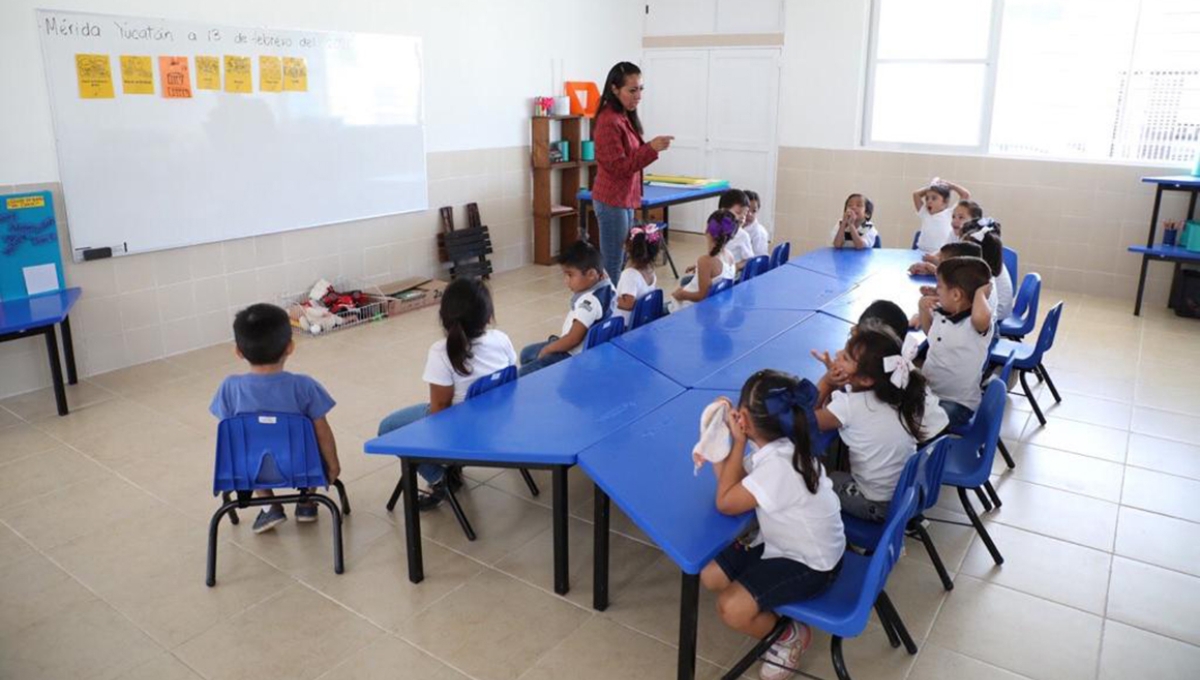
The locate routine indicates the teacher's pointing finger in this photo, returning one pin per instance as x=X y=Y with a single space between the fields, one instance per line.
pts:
x=661 y=142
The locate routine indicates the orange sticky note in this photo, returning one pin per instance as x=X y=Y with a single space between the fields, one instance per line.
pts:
x=270 y=74
x=95 y=76
x=176 y=79
x=208 y=73
x=237 y=75
x=295 y=74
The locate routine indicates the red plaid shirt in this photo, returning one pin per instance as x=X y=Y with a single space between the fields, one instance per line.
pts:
x=620 y=155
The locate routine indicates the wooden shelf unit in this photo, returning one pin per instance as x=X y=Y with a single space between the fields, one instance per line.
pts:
x=571 y=178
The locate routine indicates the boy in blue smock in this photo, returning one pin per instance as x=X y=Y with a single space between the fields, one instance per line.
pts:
x=263 y=334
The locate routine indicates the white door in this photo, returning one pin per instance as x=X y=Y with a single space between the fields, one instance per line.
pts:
x=721 y=105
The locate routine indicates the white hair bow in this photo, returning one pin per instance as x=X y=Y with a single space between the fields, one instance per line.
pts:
x=900 y=365
x=985 y=228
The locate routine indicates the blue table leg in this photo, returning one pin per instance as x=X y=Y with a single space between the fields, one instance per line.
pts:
x=689 y=616
x=69 y=351
x=562 y=580
x=412 y=523
x=600 y=551
x=56 y=376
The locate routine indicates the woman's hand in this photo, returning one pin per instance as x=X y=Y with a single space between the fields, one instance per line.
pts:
x=661 y=142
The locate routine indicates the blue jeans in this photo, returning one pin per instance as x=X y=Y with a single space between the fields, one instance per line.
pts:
x=429 y=472
x=530 y=361
x=958 y=414
x=614 y=229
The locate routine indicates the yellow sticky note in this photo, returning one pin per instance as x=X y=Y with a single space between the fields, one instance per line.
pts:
x=270 y=74
x=22 y=202
x=237 y=75
x=95 y=76
x=208 y=73
x=295 y=74
x=137 y=75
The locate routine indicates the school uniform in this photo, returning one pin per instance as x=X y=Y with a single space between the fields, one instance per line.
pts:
x=634 y=283
x=587 y=307
x=866 y=230
x=760 y=238
x=935 y=229
x=740 y=247
x=1003 y=287
x=954 y=364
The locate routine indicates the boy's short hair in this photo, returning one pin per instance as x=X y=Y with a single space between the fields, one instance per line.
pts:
x=262 y=333
x=941 y=190
x=887 y=313
x=752 y=196
x=961 y=249
x=581 y=255
x=967 y=274
x=732 y=197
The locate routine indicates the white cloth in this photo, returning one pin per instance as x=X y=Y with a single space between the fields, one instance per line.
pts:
x=490 y=352
x=879 y=445
x=1003 y=287
x=739 y=247
x=954 y=364
x=587 y=309
x=935 y=229
x=633 y=282
x=760 y=238
x=866 y=230
x=793 y=523
x=715 y=440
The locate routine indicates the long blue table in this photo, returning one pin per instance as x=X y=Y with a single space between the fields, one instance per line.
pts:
x=788 y=352
x=1151 y=251
x=38 y=315
x=542 y=420
x=789 y=288
x=853 y=266
x=896 y=286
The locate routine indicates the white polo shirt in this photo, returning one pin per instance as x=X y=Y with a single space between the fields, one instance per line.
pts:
x=1004 y=295
x=588 y=307
x=633 y=282
x=866 y=230
x=760 y=238
x=935 y=229
x=879 y=445
x=490 y=352
x=801 y=526
x=954 y=364
x=739 y=247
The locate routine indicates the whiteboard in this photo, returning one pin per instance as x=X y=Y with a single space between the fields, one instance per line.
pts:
x=144 y=172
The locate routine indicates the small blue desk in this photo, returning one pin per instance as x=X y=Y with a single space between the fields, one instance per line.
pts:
x=788 y=351
x=789 y=288
x=693 y=343
x=848 y=264
x=37 y=315
x=1151 y=251
x=896 y=286
x=542 y=420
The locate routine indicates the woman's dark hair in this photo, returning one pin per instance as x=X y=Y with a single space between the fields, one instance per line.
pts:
x=642 y=250
x=466 y=312
x=722 y=225
x=973 y=209
x=868 y=206
x=868 y=347
x=616 y=78
x=756 y=395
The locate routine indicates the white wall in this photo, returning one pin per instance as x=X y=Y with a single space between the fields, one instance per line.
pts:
x=485 y=59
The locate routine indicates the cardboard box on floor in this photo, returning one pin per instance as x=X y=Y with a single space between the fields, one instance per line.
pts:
x=412 y=293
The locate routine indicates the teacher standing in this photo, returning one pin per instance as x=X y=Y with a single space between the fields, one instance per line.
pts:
x=620 y=156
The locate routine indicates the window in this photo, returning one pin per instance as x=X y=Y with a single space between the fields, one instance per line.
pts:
x=1080 y=79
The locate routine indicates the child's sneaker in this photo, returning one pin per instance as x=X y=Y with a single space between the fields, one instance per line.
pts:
x=269 y=519
x=306 y=512
x=784 y=656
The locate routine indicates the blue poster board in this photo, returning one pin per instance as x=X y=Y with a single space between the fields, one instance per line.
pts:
x=28 y=244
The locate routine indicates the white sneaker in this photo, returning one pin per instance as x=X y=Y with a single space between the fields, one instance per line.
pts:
x=783 y=656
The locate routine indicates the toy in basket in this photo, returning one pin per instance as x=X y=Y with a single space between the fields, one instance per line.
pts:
x=328 y=307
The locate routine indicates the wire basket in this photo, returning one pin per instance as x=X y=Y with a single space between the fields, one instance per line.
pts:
x=375 y=308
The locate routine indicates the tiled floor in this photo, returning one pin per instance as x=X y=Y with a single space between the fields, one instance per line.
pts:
x=103 y=517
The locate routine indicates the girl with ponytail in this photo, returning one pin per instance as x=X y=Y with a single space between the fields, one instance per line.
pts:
x=798 y=550
x=880 y=405
x=712 y=266
x=469 y=351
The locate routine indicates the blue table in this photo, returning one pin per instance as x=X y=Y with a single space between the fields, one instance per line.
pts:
x=37 y=315
x=654 y=197
x=789 y=288
x=693 y=343
x=788 y=351
x=896 y=286
x=1150 y=252
x=850 y=265
x=542 y=420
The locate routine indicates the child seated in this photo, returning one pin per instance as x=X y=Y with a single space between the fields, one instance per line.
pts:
x=638 y=277
x=760 y=236
x=714 y=265
x=263 y=335
x=931 y=203
x=591 y=301
x=958 y=324
x=798 y=551
x=963 y=213
x=469 y=351
x=884 y=312
x=739 y=249
x=879 y=404
x=929 y=264
x=986 y=232
x=855 y=229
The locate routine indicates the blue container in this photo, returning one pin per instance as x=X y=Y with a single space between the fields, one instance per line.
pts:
x=1169 y=237
x=588 y=150
x=564 y=148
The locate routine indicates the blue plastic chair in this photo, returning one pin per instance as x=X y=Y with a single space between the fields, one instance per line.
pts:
x=878 y=241
x=648 y=308
x=270 y=451
x=755 y=266
x=1025 y=308
x=719 y=286
x=1010 y=264
x=845 y=608
x=603 y=331
x=916 y=238
x=781 y=254
x=969 y=458
x=1028 y=357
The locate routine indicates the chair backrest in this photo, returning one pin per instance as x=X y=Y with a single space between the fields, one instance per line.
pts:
x=878 y=241
x=780 y=254
x=488 y=382
x=755 y=266
x=267 y=451
x=916 y=238
x=1046 y=335
x=1026 y=303
x=906 y=482
x=1010 y=263
x=603 y=331
x=648 y=308
x=719 y=286
x=1006 y=371
x=929 y=474
x=978 y=443
x=887 y=551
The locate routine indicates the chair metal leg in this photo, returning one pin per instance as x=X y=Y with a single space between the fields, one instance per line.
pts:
x=1008 y=459
x=461 y=516
x=1037 y=411
x=983 y=499
x=339 y=565
x=739 y=669
x=979 y=528
x=341 y=489
x=897 y=623
x=1049 y=382
x=533 y=487
x=934 y=557
x=391 y=504
x=210 y=578
x=886 y=621
x=839 y=664
x=233 y=516
x=991 y=491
